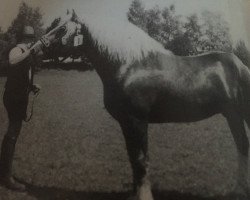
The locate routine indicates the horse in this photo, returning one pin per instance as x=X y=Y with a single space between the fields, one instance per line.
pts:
x=144 y=83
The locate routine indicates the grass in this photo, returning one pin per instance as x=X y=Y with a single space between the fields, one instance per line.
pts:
x=72 y=148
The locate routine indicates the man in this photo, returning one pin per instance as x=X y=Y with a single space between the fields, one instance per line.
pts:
x=18 y=86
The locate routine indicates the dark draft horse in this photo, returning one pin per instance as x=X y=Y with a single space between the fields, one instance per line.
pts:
x=155 y=86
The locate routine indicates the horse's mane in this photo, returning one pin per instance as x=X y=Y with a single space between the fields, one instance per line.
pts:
x=121 y=38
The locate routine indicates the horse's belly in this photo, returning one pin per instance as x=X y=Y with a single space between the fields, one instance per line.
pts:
x=182 y=112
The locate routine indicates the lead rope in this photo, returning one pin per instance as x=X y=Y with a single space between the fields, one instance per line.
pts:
x=32 y=70
x=27 y=119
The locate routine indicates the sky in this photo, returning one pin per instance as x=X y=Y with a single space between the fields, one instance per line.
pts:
x=230 y=9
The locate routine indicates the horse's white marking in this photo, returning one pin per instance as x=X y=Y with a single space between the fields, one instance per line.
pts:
x=123 y=69
x=140 y=74
x=144 y=191
x=71 y=28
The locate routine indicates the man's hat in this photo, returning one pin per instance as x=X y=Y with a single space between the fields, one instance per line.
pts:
x=28 y=31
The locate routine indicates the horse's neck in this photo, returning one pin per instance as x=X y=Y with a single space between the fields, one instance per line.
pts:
x=105 y=65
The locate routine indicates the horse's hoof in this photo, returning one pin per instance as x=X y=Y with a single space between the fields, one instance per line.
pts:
x=144 y=192
x=140 y=198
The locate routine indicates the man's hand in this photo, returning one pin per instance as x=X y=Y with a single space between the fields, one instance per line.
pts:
x=36 y=48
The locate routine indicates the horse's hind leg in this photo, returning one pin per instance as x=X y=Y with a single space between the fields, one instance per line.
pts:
x=136 y=137
x=236 y=124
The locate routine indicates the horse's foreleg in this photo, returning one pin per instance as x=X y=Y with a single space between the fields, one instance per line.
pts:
x=237 y=128
x=136 y=137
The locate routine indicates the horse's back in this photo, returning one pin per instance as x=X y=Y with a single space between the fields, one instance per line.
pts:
x=180 y=76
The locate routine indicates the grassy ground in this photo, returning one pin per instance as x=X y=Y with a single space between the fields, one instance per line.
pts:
x=72 y=149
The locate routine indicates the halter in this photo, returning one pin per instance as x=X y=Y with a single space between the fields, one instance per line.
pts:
x=78 y=39
x=73 y=27
x=28 y=118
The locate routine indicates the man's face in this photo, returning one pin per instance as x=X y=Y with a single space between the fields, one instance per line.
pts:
x=28 y=41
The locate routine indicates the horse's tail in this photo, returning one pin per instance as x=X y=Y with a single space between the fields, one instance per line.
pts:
x=244 y=73
x=244 y=83
x=244 y=78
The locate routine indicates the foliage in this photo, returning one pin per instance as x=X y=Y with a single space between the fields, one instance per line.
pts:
x=183 y=37
x=215 y=32
x=193 y=34
x=153 y=22
x=53 y=24
x=170 y=25
x=137 y=14
x=26 y=16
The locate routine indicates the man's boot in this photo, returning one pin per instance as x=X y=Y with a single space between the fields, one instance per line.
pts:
x=6 y=159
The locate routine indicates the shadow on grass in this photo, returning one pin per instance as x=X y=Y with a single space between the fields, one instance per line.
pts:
x=54 y=193
x=79 y=66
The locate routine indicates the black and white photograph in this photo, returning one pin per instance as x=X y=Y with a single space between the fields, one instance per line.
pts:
x=124 y=99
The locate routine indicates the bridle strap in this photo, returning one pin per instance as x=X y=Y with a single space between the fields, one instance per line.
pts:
x=27 y=119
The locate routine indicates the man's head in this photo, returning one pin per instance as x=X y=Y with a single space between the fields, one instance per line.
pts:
x=28 y=34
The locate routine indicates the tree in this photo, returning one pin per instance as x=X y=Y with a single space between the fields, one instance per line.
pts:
x=137 y=14
x=153 y=22
x=193 y=34
x=189 y=37
x=26 y=16
x=1 y=33
x=215 y=33
x=53 y=24
x=172 y=35
x=171 y=25
x=180 y=45
x=242 y=52
x=186 y=40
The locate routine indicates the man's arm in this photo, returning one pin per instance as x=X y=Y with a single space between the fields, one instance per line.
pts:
x=19 y=54
x=16 y=55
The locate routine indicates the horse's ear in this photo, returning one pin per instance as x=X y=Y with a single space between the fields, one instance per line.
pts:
x=74 y=16
x=67 y=11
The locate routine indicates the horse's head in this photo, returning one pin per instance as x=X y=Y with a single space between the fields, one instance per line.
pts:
x=66 y=27
x=72 y=26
